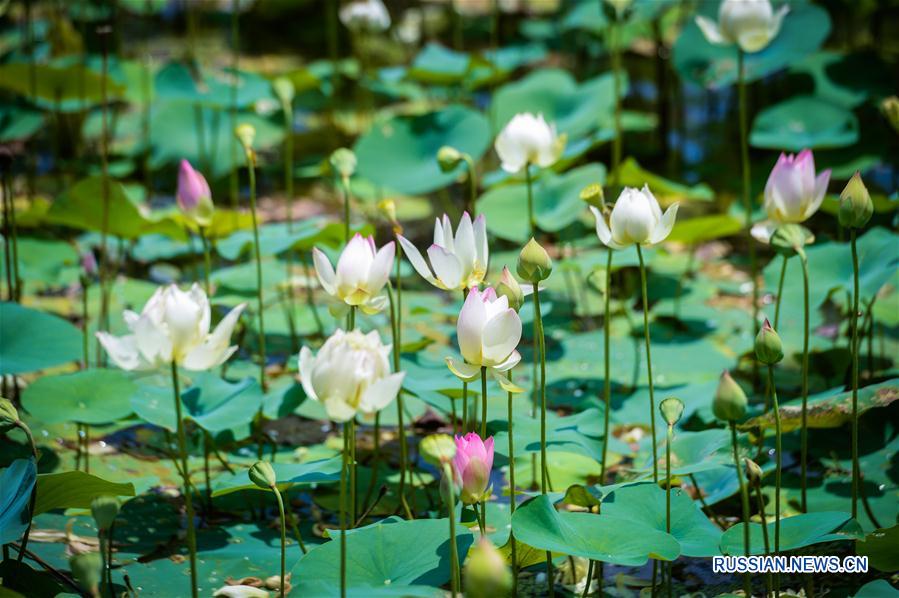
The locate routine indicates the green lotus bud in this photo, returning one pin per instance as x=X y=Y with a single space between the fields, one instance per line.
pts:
x=263 y=475
x=753 y=471
x=438 y=449
x=768 y=347
x=87 y=569
x=245 y=134
x=509 y=288
x=448 y=158
x=105 y=508
x=343 y=162
x=730 y=401
x=856 y=207
x=790 y=238
x=9 y=417
x=593 y=195
x=486 y=573
x=672 y=409
x=284 y=89
x=534 y=264
x=890 y=108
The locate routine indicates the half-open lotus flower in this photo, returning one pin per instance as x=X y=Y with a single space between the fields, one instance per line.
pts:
x=636 y=219
x=751 y=24
x=350 y=374
x=488 y=331
x=173 y=327
x=362 y=271
x=471 y=467
x=456 y=262
x=365 y=15
x=193 y=195
x=528 y=139
x=793 y=193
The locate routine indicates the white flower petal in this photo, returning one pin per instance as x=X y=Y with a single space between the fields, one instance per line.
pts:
x=446 y=267
x=381 y=393
x=710 y=30
x=470 y=327
x=417 y=261
x=325 y=271
x=501 y=336
x=123 y=351
x=664 y=226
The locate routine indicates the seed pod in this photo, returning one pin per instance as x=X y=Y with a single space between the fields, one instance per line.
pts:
x=486 y=573
x=343 y=161
x=730 y=401
x=672 y=409
x=753 y=471
x=448 y=158
x=105 y=508
x=9 y=417
x=263 y=475
x=438 y=449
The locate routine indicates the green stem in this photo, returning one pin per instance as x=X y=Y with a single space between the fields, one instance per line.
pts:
x=617 y=142
x=352 y=444
x=283 y=538
x=104 y=194
x=464 y=406
x=744 y=499
x=854 y=319
x=777 y=472
x=483 y=437
x=207 y=262
x=512 y=500
x=396 y=314
x=747 y=199
x=85 y=332
x=343 y=509
x=804 y=423
x=544 y=473
x=588 y=581
x=451 y=513
x=780 y=291
x=251 y=168
x=607 y=380
x=668 y=490
x=472 y=185
x=109 y=537
x=185 y=474
x=652 y=406
x=345 y=186
x=235 y=57
x=531 y=220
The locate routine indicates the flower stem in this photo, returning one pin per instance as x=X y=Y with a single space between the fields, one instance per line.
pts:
x=103 y=323
x=652 y=406
x=207 y=262
x=544 y=473
x=352 y=444
x=251 y=168
x=472 y=185
x=512 y=489
x=778 y=469
x=668 y=490
x=531 y=220
x=744 y=499
x=451 y=513
x=804 y=430
x=345 y=186
x=747 y=199
x=235 y=56
x=607 y=381
x=617 y=142
x=185 y=475
x=780 y=291
x=854 y=319
x=396 y=314
x=483 y=437
x=464 y=406
x=283 y=538
x=343 y=509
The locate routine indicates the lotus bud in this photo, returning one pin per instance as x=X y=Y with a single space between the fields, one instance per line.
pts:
x=534 y=264
x=105 y=508
x=890 y=108
x=387 y=207
x=471 y=465
x=438 y=449
x=263 y=475
x=509 y=288
x=448 y=158
x=343 y=162
x=9 y=417
x=593 y=195
x=245 y=134
x=672 y=409
x=89 y=264
x=193 y=195
x=486 y=573
x=768 y=346
x=87 y=569
x=284 y=89
x=856 y=207
x=730 y=401
x=753 y=471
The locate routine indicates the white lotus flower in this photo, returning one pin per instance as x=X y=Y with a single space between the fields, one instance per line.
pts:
x=456 y=262
x=636 y=219
x=528 y=139
x=365 y=15
x=792 y=194
x=488 y=331
x=351 y=373
x=173 y=327
x=362 y=271
x=751 y=24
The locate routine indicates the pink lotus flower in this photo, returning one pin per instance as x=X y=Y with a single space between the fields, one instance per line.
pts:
x=793 y=192
x=471 y=467
x=194 y=197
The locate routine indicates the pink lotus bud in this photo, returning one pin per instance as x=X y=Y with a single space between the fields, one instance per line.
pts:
x=194 y=197
x=472 y=465
x=89 y=263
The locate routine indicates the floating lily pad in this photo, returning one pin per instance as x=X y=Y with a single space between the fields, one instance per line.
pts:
x=74 y=490
x=804 y=122
x=798 y=531
x=287 y=474
x=880 y=548
x=34 y=340
x=94 y=396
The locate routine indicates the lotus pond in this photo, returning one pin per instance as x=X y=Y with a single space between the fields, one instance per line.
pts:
x=449 y=298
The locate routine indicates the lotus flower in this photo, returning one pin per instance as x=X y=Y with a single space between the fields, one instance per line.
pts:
x=456 y=262
x=751 y=24
x=362 y=271
x=471 y=467
x=793 y=193
x=488 y=331
x=636 y=219
x=528 y=139
x=350 y=373
x=193 y=196
x=365 y=15
x=173 y=327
